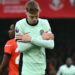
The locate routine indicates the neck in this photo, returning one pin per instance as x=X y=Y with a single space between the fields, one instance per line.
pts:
x=32 y=24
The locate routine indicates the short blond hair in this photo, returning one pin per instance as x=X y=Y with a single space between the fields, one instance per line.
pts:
x=32 y=7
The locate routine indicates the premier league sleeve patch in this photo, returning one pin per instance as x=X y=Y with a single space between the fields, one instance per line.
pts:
x=17 y=30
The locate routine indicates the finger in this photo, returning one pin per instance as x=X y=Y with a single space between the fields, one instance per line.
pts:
x=27 y=33
x=18 y=37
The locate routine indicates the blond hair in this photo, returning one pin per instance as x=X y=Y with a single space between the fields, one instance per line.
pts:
x=32 y=7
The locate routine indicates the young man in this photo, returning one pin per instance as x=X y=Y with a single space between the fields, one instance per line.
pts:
x=33 y=35
x=11 y=54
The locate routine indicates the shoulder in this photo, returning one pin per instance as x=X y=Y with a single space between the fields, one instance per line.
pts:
x=73 y=66
x=43 y=20
x=11 y=41
x=62 y=66
x=20 y=22
x=10 y=46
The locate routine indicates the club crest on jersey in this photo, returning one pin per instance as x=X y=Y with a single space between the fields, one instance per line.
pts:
x=16 y=30
x=41 y=32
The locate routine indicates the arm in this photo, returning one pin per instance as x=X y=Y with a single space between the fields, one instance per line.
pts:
x=36 y=41
x=8 y=48
x=47 y=40
x=43 y=43
x=39 y=41
x=5 y=62
x=22 y=46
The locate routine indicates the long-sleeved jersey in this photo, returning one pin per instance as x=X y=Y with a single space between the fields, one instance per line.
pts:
x=34 y=62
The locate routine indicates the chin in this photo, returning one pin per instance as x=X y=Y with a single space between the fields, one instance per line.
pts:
x=33 y=22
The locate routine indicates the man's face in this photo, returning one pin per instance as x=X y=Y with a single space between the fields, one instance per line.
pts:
x=32 y=18
x=11 y=31
x=69 y=61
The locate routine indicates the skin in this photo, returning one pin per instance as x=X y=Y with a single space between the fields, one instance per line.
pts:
x=6 y=57
x=32 y=19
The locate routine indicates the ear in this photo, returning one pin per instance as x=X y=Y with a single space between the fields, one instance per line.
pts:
x=26 y=12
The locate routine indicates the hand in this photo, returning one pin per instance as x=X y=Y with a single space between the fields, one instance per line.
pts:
x=26 y=37
x=18 y=37
x=47 y=36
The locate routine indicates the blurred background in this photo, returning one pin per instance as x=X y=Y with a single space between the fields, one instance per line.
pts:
x=61 y=16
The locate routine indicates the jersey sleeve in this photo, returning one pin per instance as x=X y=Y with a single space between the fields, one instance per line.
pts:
x=47 y=26
x=44 y=43
x=18 y=30
x=8 y=48
x=22 y=46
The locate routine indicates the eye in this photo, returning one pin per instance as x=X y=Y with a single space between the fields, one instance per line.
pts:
x=33 y=17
